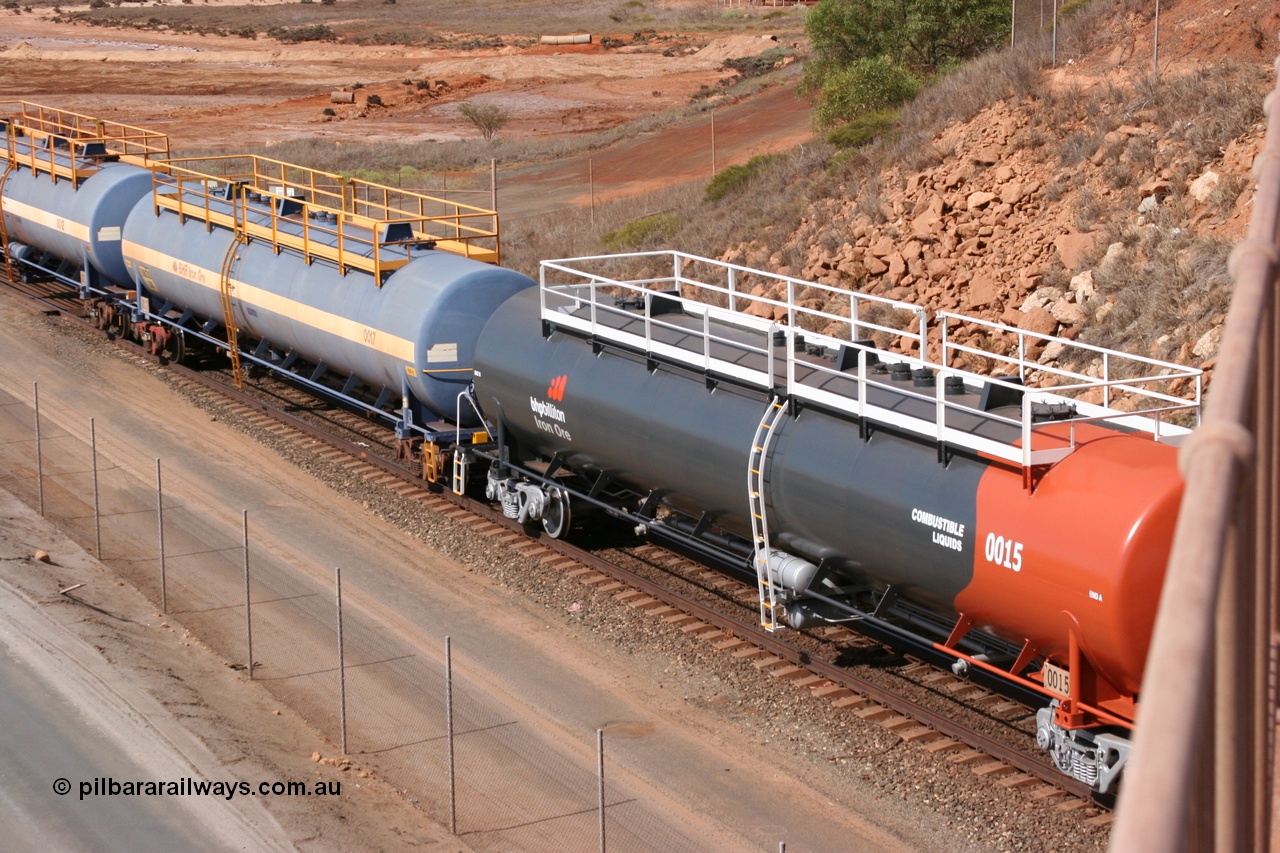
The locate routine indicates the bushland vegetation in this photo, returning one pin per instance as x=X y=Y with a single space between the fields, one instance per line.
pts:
x=871 y=55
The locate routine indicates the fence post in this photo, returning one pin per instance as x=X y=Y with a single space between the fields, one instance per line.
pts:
x=1155 y=44
x=448 y=724
x=1055 y=33
x=713 y=142
x=164 y=590
x=97 y=514
x=342 y=673
x=248 y=614
x=35 y=395
x=600 y=772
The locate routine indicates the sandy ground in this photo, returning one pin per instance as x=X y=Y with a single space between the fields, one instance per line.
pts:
x=203 y=89
x=207 y=91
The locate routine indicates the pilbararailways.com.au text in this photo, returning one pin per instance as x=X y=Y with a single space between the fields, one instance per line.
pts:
x=107 y=786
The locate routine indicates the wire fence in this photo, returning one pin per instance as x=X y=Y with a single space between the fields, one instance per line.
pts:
x=471 y=765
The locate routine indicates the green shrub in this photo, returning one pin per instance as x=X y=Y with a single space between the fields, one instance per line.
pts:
x=374 y=100
x=328 y=111
x=293 y=35
x=865 y=86
x=735 y=178
x=646 y=229
x=863 y=129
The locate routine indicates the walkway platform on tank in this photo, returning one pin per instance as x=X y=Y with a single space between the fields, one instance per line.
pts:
x=883 y=361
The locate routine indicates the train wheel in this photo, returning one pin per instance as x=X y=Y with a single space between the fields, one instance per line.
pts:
x=556 y=516
x=172 y=347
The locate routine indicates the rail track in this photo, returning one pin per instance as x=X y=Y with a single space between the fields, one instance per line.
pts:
x=707 y=606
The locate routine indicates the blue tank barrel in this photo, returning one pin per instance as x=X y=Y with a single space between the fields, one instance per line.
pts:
x=70 y=182
x=417 y=329
x=76 y=222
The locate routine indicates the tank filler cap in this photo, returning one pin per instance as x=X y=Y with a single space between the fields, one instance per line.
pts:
x=1041 y=412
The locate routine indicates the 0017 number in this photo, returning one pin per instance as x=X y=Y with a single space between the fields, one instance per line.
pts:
x=1003 y=552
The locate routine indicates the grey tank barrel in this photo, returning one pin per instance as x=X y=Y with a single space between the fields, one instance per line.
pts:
x=841 y=500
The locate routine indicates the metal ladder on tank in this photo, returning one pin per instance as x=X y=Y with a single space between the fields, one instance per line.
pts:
x=769 y=598
x=238 y=238
x=4 y=229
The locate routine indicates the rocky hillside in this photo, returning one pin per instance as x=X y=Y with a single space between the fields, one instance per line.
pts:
x=1100 y=203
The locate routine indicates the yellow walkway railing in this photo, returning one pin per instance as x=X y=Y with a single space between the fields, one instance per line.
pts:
x=353 y=223
x=72 y=146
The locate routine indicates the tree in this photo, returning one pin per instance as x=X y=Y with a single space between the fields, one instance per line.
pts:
x=863 y=87
x=925 y=35
x=872 y=54
x=487 y=118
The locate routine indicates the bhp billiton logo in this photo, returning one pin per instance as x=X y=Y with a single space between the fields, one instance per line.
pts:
x=556 y=390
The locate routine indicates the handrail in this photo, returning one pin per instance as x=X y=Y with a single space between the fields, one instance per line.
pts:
x=66 y=144
x=1133 y=392
x=1202 y=774
x=350 y=222
x=355 y=223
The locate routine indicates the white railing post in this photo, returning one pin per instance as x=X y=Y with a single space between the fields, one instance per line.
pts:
x=648 y=322
x=592 y=294
x=706 y=340
x=941 y=416
x=791 y=359
x=1026 y=429
x=945 y=357
x=1106 y=378
x=769 y=357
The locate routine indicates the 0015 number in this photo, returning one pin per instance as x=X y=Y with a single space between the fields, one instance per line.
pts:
x=1003 y=552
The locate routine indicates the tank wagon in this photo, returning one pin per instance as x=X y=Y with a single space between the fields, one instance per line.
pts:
x=1023 y=532
x=352 y=287
x=863 y=461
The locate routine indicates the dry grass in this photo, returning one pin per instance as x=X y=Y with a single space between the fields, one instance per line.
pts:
x=1168 y=290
